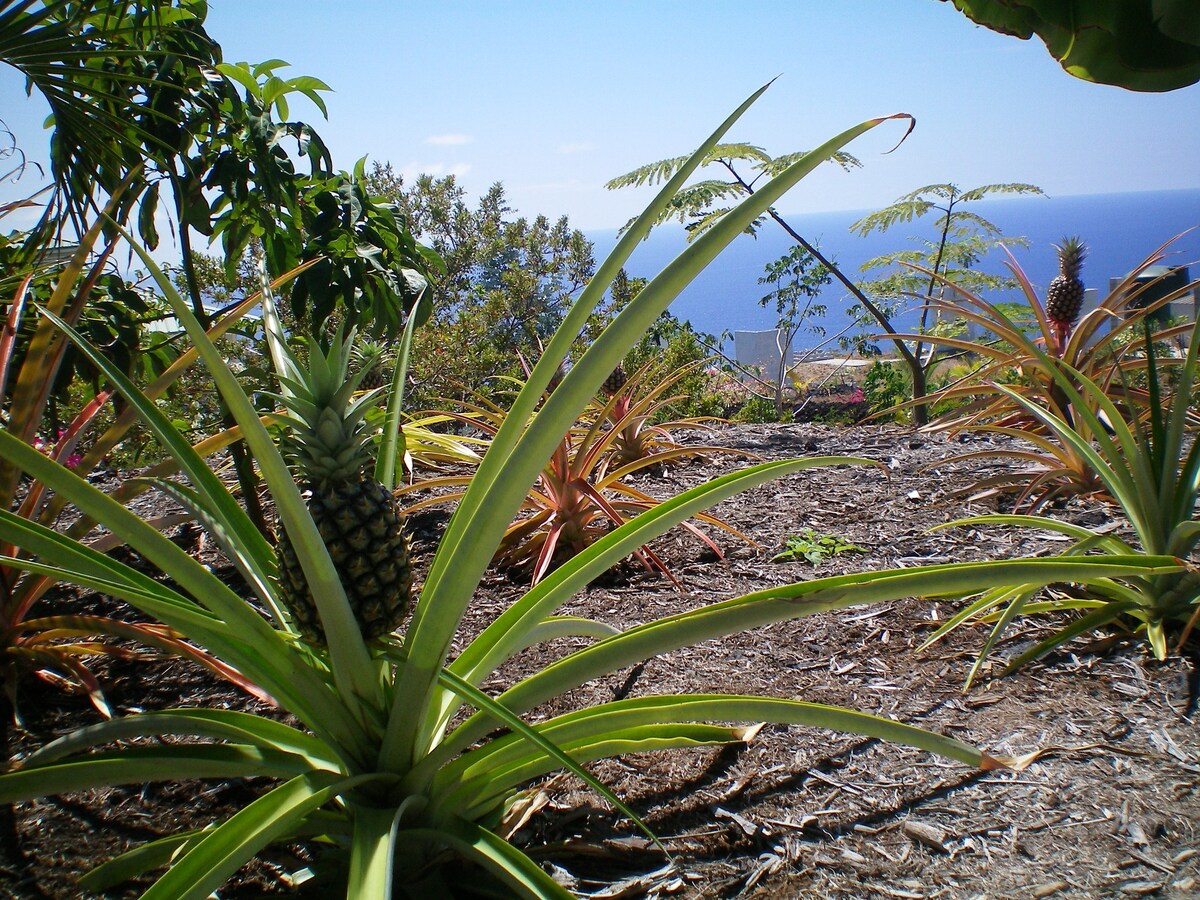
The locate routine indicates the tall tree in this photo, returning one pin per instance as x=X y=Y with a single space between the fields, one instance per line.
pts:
x=796 y=279
x=120 y=77
x=961 y=239
x=508 y=280
x=141 y=98
x=701 y=205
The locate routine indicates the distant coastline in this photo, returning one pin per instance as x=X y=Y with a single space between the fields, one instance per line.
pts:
x=1121 y=230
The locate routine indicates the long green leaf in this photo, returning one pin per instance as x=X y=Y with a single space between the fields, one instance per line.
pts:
x=1097 y=618
x=514 y=868
x=485 y=794
x=215 y=724
x=509 y=631
x=792 y=602
x=596 y=731
x=238 y=536
x=137 y=861
x=144 y=765
x=286 y=676
x=548 y=749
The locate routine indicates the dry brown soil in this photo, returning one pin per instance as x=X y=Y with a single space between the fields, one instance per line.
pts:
x=1109 y=809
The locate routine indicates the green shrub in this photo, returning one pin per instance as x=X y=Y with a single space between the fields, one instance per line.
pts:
x=884 y=387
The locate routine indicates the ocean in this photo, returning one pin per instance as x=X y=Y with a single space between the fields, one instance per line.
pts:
x=1120 y=230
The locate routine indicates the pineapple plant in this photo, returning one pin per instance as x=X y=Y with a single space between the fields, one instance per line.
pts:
x=329 y=446
x=1064 y=297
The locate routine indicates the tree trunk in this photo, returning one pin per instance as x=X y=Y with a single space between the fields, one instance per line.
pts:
x=920 y=391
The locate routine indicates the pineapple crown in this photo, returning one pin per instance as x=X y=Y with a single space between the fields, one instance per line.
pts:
x=329 y=439
x=366 y=354
x=1071 y=253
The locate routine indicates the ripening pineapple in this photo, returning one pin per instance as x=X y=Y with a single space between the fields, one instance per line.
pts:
x=615 y=381
x=1064 y=297
x=329 y=445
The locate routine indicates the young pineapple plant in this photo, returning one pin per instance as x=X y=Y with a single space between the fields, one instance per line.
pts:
x=1064 y=296
x=329 y=446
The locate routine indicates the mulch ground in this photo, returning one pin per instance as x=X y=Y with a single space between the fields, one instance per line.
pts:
x=1108 y=809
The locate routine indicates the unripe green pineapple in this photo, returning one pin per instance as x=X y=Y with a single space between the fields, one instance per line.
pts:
x=615 y=381
x=1064 y=297
x=329 y=445
x=371 y=358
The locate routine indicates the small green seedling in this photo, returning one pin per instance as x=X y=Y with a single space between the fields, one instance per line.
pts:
x=814 y=547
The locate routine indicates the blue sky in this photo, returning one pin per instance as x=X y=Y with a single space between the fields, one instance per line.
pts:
x=555 y=98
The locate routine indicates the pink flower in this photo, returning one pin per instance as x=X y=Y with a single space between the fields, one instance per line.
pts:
x=73 y=460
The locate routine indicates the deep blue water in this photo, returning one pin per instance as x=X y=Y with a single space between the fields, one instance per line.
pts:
x=1120 y=230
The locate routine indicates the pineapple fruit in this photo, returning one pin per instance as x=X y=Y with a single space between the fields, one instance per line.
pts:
x=329 y=446
x=1064 y=296
x=371 y=359
x=615 y=381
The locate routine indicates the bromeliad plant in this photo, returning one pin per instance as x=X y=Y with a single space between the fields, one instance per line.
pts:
x=635 y=410
x=1150 y=465
x=1058 y=353
x=580 y=494
x=381 y=761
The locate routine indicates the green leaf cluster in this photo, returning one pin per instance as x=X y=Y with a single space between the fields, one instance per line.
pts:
x=815 y=547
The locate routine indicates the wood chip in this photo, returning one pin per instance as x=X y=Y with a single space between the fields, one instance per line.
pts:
x=1049 y=889
x=1153 y=863
x=1137 y=834
x=894 y=892
x=927 y=835
x=1140 y=888
x=750 y=829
